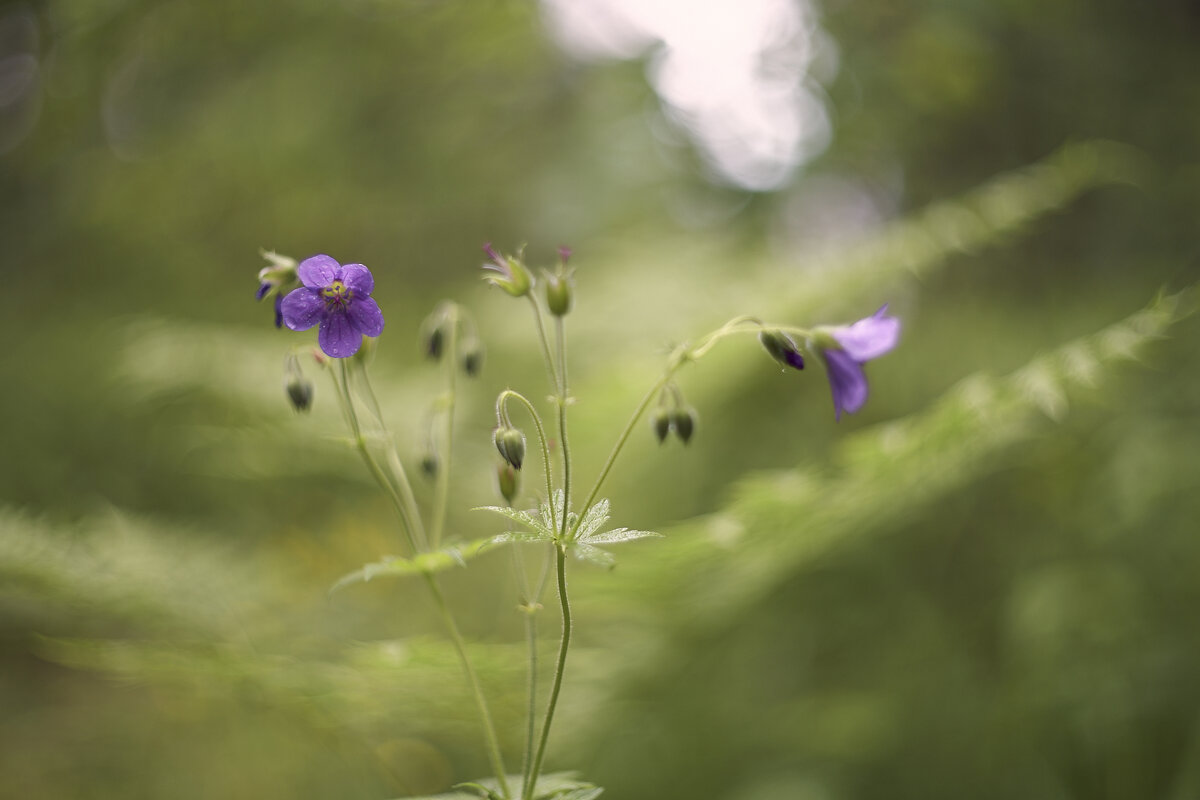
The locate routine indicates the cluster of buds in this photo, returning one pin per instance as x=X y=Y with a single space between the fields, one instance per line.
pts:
x=673 y=414
x=449 y=318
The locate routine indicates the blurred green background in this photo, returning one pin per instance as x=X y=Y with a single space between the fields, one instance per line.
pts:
x=983 y=585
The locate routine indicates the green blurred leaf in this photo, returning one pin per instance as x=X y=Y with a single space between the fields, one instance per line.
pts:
x=421 y=564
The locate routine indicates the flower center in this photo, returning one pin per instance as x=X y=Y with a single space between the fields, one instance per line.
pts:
x=337 y=296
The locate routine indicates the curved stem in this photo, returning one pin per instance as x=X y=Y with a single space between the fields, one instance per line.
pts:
x=559 y=668
x=501 y=403
x=489 y=729
x=442 y=489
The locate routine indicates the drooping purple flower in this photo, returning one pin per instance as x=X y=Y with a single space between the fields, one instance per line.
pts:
x=857 y=344
x=338 y=298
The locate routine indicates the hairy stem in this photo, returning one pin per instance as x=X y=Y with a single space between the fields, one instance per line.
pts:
x=561 y=342
x=559 y=669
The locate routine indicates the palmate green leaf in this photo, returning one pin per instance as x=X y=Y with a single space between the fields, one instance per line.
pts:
x=552 y=786
x=420 y=564
x=617 y=535
x=525 y=519
x=552 y=512
x=586 y=538
x=593 y=555
x=595 y=517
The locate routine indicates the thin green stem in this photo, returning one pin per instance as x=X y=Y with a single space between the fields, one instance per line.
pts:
x=682 y=355
x=529 y=608
x=442 y=488
x=399 y=488
x=561 y=342
x=489 y=729
x=623 y=437
x=360 y=441
x=559 y=669
x=541 y=330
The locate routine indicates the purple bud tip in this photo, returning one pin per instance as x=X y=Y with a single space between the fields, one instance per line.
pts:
x=278 y=311
x=564 y=253
x=794 y=359
x=492 y=254
x=263 y=288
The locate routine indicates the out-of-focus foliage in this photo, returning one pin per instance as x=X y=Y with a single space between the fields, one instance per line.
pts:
x=981 y=586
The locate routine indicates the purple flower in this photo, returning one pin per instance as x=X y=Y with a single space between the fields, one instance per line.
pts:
x=338 y=297
x=857 y=344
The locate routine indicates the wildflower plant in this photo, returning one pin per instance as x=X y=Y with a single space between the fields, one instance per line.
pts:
x=567 y=522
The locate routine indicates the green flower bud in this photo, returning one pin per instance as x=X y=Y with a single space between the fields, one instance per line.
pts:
x=684 y=422
x=507 y=481
x=299 y=392
x=660 y=422
x=559 y=294
x=511 y=444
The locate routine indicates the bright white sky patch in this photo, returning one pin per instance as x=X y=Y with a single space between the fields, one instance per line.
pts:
x=734 y=73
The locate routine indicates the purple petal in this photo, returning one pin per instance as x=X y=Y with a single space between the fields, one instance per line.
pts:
x=358 y=279
x=337 y=337
x=302 y=308
x=318 y=272
x=794 y=359
x=263 y=288
x=278 y=311
x=847 y=381
x=871 y=337
x=365 y=316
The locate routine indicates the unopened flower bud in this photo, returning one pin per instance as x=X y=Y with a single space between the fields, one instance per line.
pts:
x=684 y=422
x=432 y=343
x=660 y=421
x=782 y=348
x=299 y=392
x=429 y=465
x=507 y=481
x=558 y=294
x=511 y=444
x=472 y=359
x=512 y=276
